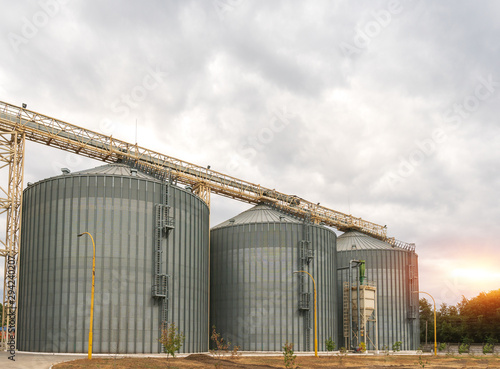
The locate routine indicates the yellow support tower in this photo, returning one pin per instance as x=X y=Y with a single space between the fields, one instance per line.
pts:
x=203 y=191
x=12 y=145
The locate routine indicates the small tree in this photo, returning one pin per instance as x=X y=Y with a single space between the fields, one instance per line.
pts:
x=465 y=345
x=397 y=346
x=385 y=350
x=171 y=339
x=342 y=354
x=220 y=347
x=488 y=348
x=492 y=340
x=235 y=353
x=288 y=355
x=421 y=361
x=330 y=344
x=463 y=348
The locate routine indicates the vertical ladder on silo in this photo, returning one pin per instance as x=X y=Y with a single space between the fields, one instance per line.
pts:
x=306 y=252
x=346 y=313
x=164 y=224
x=305 y=307
x=412 y=286
x=414 y=299
x=306 y=256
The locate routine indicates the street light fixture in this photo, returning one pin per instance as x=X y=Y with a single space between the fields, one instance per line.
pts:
x=315 y=316
x=435 y=332
x=91 y=296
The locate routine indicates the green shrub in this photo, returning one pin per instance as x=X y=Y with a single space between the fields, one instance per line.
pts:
x=397 y=346
x=490 y=339
x=463 y=348
x=488 y=348
x=288 y=355
x=171 y=339
x=421 y=362
x=330 y=344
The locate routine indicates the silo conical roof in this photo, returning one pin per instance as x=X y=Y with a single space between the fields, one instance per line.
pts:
x=261 y=213
x=361 y=241
x=116 y=169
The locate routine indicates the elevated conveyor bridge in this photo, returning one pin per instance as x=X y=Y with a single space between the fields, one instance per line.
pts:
x=18 y=124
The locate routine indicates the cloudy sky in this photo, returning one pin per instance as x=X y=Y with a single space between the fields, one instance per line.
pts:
x=382 y=109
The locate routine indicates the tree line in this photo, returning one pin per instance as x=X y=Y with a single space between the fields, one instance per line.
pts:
x=475 y=320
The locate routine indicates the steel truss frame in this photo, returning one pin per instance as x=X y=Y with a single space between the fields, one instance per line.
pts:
x=68 y=137
x=21 y=124
x=12 y=144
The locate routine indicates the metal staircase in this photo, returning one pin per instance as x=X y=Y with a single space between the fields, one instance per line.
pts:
x=164 y=224
x=160 y=278
x=412 y=286
x=306 y=255
x=346 y=313
x=306 y=252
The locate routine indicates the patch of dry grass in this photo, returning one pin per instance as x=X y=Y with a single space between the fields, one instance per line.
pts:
x=206 y=361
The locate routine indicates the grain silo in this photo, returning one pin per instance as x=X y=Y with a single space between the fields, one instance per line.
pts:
x=394 y=273
x=256 y=301
x=151 y=263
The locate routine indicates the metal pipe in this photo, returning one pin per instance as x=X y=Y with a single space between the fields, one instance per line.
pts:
x=426 y=331
x=91 y=296
x=359 y=311
x=365 y=319
x=349 y=344
x=376 y=322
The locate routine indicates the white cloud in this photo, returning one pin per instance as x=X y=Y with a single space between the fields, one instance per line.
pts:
x=356 y=120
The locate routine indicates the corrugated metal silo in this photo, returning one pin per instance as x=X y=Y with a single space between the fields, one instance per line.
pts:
x=255 y=300
x=394 y=271
x=126 y=211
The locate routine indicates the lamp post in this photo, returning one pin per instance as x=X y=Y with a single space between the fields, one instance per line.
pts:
x=315 y=316
x=435 y=332
x=91 y=295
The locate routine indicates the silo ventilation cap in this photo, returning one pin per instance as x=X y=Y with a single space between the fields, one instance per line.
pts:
x=65 y=171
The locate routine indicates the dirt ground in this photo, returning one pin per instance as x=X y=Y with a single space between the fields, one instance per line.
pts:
x=207 y=361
